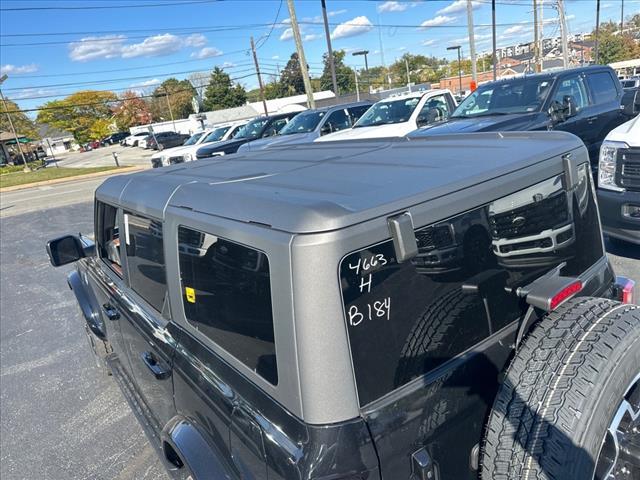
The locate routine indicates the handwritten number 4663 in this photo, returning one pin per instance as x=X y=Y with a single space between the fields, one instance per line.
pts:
x=368 y=263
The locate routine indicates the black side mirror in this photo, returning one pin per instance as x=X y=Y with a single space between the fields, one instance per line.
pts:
x=557 y=112
x=326 y=129
x=68 y=249
x=570 y=106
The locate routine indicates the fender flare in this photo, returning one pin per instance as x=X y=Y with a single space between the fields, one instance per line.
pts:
x=87 y=306
x=186 y=452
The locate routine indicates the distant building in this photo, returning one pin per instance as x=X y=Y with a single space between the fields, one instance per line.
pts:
x=55 y=141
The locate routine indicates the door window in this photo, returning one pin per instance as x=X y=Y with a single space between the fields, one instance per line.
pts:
x=275 y=127
x=357 y=112
x=572 y=86
x=145 y=259
x=108 y=236
x=226 y=293
x=338 y=120
x=602 y=87
x=435 y=109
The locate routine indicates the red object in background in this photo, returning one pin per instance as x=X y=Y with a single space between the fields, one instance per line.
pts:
x=95 y=144
x=473 y=86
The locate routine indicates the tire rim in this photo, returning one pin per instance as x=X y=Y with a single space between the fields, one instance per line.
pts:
x=619 y=456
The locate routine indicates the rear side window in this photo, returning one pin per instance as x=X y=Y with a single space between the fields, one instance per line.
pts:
x=338 y=120
x=108 y=236
x=145 y=259
x=226 y=293
x=357 y=112
x=603 y=87
x=405 y=320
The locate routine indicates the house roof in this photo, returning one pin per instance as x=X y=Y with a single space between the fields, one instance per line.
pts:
x=6 y=136
x=47 y=131
x=325 y=186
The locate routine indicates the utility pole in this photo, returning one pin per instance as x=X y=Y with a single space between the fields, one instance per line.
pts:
x=536 y=50
x=332 y=65
x=472 y=43
x=597 y=29
x=563 y=34
x=406 y=64
x=622 y=17
x=493 y=34
x=458 y=47
x=166 y=96
x=13 y=129
x=301 y=58
x=357 y=86
x=384 y=65
x=541 y=46
x=255 y=60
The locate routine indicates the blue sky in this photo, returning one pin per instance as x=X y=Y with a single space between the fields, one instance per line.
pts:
x=138 y=47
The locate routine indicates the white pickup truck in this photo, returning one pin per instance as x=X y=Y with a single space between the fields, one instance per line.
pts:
x=399 y=115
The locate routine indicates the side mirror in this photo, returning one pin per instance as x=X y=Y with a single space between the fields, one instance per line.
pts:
x=557 y=112
x=570 y=106
x=68 y=249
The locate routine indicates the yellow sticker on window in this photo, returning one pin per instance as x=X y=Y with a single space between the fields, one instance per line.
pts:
x=191 y=294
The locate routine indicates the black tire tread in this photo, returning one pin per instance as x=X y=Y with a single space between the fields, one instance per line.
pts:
x=546 y=387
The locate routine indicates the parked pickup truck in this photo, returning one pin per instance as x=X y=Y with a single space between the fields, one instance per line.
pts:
x=584 y=101
x=277 y=314
x=619 y=182
x=398 y=115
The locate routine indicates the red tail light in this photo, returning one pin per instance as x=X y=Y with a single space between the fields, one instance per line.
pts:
x=565 y=294
x=625 y=288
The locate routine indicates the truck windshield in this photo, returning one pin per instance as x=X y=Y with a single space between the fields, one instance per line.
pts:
x=216 y=135
x=383 y=113
x=193 y=138
x=252 y=129
x=514 y=96
x=303 y=123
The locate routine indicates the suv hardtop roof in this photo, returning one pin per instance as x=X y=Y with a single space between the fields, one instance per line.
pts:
x=328 y=186
x=418 y=94
x=550 y=74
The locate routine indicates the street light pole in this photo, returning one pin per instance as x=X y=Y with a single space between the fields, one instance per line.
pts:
x=366 y=65
x=458 y=47
x=13 y=130
x=166 y=96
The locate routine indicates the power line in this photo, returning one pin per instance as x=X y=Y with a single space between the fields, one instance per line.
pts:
x=105 y=7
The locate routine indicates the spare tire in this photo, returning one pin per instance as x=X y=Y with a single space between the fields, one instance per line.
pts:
x=569 y=406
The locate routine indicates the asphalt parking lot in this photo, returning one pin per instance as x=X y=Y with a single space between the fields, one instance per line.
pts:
x=62 y=418
x=103 y=157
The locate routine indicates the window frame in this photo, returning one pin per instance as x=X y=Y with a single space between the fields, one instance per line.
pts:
x=589 y=83
x=98 y=227
x=585 y=83
x=275 y=245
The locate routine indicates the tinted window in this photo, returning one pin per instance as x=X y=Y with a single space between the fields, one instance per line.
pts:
x=385 y=112
x=435 y=109
x=193 y=138
x=275 y=127
x=406 y=319
x=252 y=128
x=338 y=120
x=226 y=292
x=216 y=135
x=602 y=87
x=145 y=259
x=357 y=112
x=108 y=236
x=303 y=123
x=573 y=87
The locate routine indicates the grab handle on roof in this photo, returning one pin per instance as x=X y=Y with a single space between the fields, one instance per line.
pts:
x=404 y=239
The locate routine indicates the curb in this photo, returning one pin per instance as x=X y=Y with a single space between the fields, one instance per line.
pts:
x=54 y=181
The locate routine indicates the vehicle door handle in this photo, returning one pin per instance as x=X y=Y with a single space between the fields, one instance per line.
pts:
x=111 y=312
x=152 y=364
x=592 y=119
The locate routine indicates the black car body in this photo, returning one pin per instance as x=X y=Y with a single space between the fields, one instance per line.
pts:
x=584 y=101
x=164 y=140
x=260 y=127
x=276 y=314
x=114 y=138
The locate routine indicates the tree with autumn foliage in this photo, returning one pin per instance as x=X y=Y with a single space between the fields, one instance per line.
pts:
x=131 y=111
x=23 y=124
x=78 y=112
x=178 y=94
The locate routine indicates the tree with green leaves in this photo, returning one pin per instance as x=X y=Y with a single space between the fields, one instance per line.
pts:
x=78 y=112
x=174 y=92
x=222 y=93
x=421 y=69
x=345 y=76
x=615 y=47
x=23 y=124
x=291 y=77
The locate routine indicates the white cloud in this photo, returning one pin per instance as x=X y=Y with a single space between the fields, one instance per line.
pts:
x=607 y=5
x=92 y=48
x=206 y=52
x=287 y=34
x=437 y=21
x=146 y=83
x=458 y=6
x=16 y=70
x=513 y=30
x=356 y=26
x=311 y=37
x=228 y=65
x=196 y=40
x=426 y=43
x=275 y=57
x=155 y=46
x=334 y=13
x=32 y=92
x=392 y=6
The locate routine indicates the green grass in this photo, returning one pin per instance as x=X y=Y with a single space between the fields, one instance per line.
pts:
x=18 y=177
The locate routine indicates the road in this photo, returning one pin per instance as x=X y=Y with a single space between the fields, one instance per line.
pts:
x=62 y=418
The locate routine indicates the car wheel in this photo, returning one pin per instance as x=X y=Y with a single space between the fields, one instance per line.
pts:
x=569 y=405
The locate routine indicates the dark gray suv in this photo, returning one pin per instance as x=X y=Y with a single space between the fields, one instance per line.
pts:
x=429 y=309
